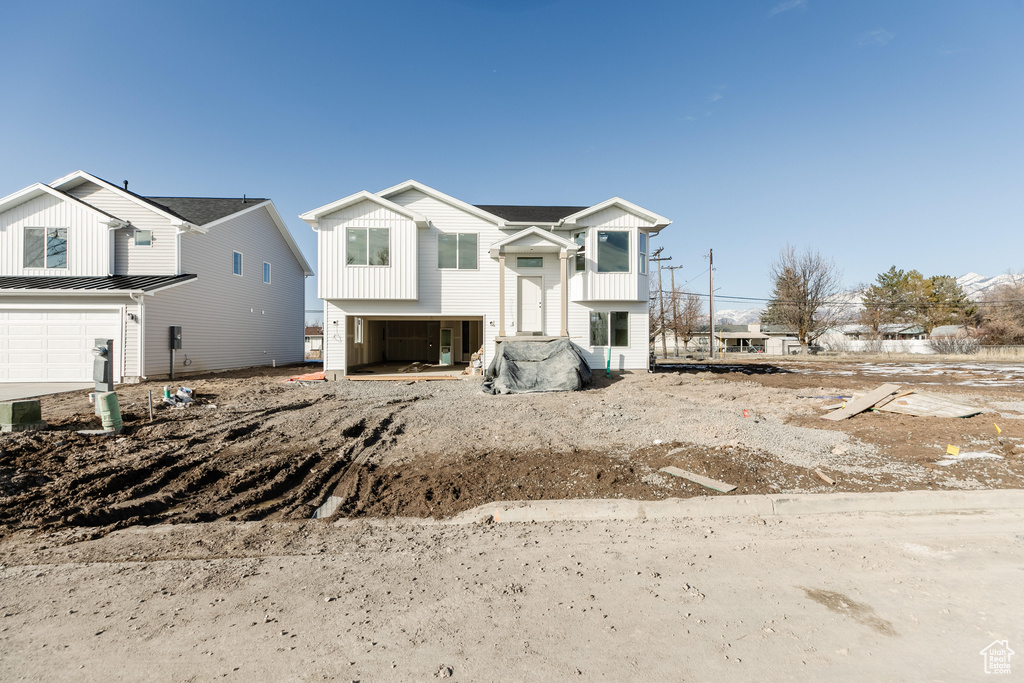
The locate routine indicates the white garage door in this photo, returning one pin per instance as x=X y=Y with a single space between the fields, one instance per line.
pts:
x=54 y=345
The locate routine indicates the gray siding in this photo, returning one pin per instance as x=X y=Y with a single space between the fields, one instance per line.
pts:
x=230 y=321
x=160 y=258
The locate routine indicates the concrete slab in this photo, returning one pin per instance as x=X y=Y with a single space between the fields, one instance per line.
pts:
x=738 y=506
x=14 y=391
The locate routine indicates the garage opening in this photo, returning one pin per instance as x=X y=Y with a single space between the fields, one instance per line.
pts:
x=400 y=345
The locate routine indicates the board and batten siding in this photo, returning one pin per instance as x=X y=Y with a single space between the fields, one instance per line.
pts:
x=230 y=321
x=338 y=280
x=635 y=356
x=591 y=285
x=161 y=258
x=88 y=237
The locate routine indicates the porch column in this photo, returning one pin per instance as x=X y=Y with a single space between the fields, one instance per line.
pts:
x=501 y=294
x=563 y=258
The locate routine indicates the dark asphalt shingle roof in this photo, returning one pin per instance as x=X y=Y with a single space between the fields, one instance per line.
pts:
x=530 y=214
x=98 y=283
x=203 y=210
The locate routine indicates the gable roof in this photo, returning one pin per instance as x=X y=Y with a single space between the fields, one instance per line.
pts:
x=442 y=197
x=658 y=221
x=38 y=189
x=530 y=214
x=564 y=245
x=78 y=177
x=314 y=216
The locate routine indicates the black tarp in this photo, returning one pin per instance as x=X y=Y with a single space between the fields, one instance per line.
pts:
x=520 y=367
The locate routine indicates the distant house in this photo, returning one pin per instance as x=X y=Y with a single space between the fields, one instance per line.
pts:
x=947 y=331
x=84 y=259
x=314 y=343
x=410 y=274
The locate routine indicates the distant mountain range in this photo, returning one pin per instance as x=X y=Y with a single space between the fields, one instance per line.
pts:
x=974 y=287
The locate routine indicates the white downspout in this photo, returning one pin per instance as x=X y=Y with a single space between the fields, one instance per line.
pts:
x=142 y=326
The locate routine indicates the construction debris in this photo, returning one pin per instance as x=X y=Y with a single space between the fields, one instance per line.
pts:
x=928 y=405
x=827 y=480
x=859 y=405
x=698 y=479
x=308 y=377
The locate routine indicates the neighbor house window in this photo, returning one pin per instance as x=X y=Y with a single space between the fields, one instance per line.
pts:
x=46 y=248
x=143 y=238
x=368 y=247
x=457 y=250
x=530 y=261
x=613 y=325
x=642 y=250
x=612 y=251
x=581 y=253
x=266 y=272
x=236 y=264
x=357 y=330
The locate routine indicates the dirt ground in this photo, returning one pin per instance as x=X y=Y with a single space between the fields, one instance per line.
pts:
x=840 y=597
x=253 y=448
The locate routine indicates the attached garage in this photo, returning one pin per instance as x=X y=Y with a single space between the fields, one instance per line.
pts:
x=54 y=345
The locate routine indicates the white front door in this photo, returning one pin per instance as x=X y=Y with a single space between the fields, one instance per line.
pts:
x=531 y=304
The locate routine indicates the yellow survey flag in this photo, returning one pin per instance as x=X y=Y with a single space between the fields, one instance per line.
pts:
x=952 y=450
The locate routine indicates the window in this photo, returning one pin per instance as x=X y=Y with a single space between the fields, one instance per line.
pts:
x=457 y=250
x=581 y=254
x=236 y=265
x=357 y=330
x=266 y=272
x=143 y=238
x=605 y=326
x=46 y=248
x=530 y=261
x=368 y=247
x=642 y=249
x=613 y=251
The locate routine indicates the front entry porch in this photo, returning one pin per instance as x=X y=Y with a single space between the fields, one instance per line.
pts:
x=533 y=266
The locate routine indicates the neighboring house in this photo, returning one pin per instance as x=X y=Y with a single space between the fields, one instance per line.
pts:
x=314 y=343
x=82 y=259
x=412 y=274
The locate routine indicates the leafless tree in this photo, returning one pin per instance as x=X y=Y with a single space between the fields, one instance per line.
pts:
x=803 y=286
x=1003 y=310
x=690 y=315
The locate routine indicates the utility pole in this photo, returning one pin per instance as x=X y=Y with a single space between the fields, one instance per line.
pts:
x=657 y=258
x=711 y=298
x=675 y=307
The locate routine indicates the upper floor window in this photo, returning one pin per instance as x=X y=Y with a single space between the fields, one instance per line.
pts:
x=613 y=325
x=529 y=261
x=143 y=238
x=368 y=247
x=613 y=251
x=642 y=250
x=457 y=250
x=266 y=272
x=236 y=263
x=46 y=248
x=581 y=253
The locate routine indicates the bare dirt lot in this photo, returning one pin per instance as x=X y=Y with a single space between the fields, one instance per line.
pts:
x=253 y=448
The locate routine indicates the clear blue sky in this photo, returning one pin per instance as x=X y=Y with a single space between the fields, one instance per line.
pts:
x=877 y=132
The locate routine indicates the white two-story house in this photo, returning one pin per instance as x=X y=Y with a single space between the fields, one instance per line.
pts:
x=84 y=259
x=412 y=274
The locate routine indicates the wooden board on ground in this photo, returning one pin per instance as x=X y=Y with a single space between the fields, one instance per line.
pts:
x=889 y=399
x=859 y=405
x=928 y=405
x=698 y=479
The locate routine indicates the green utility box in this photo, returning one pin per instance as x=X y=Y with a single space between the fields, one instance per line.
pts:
x=20 y=416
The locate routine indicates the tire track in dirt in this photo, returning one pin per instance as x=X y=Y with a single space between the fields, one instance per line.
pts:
x=245 y=468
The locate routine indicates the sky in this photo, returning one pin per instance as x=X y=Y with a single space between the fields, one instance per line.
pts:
x=878 y=133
